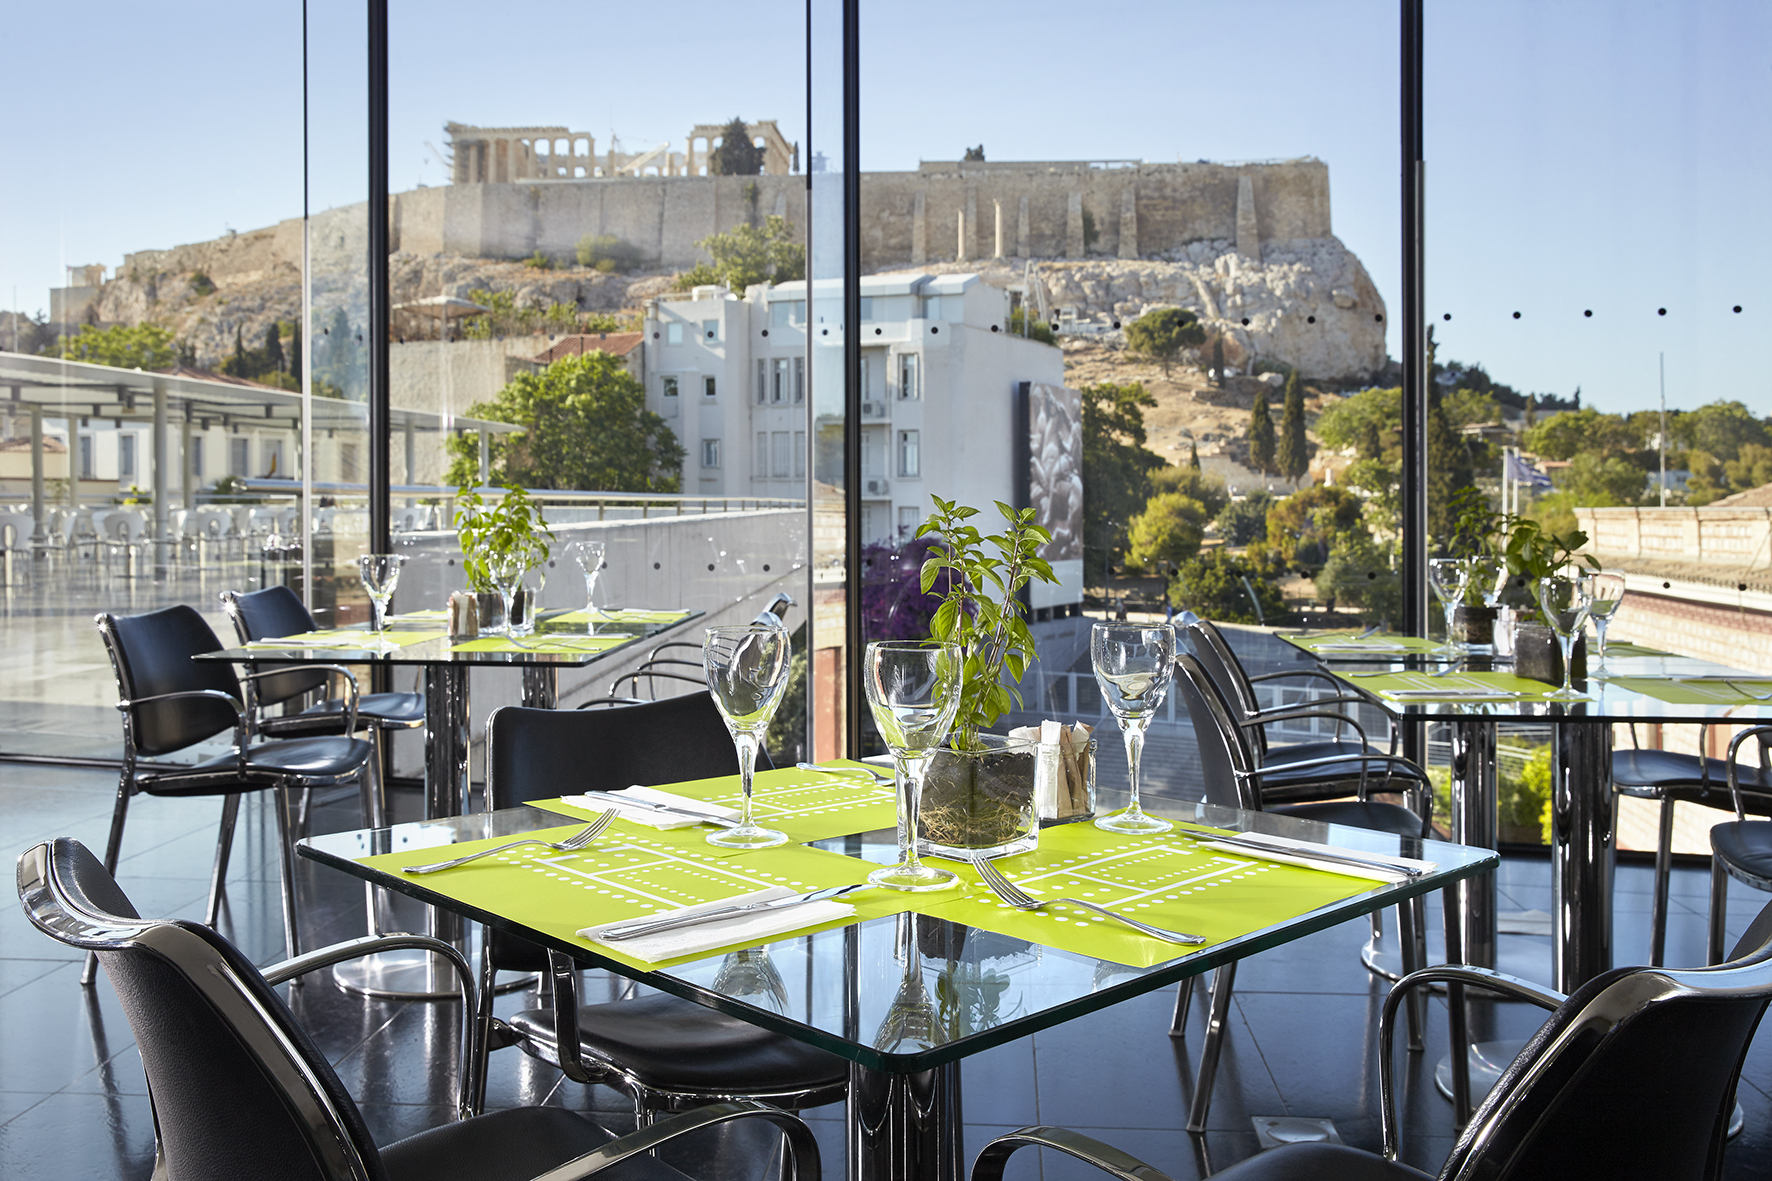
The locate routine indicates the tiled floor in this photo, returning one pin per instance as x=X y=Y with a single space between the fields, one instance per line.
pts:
x=73 y=1104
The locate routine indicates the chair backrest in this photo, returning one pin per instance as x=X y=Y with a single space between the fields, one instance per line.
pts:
x=151 y=655
x=1226 y=671
x=266 y=615
x=1633 y=1076
x=238 y=1088
x=1226 y=760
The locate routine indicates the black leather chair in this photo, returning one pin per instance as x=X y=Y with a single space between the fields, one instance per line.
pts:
x=171 y=701
x=240 y=1091
x=664 y=1052
x=1670 y=778
x=1633 y=1076
x=1740 y=849
x=1234 y=777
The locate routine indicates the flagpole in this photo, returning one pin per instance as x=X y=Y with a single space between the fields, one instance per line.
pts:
x=1661 y=364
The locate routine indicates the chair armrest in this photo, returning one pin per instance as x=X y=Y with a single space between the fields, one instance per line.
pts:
x=1512 y=987
x=212 y=694
x=1107 y=1158
x=1734 y=755
x=802 y=1148
x=350 y=681
x=1322 y=674
x=337 y=953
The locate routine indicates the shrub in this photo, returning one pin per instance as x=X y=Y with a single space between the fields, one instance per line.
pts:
x=608 y=253
x=1243 y=521
x=1227 y=589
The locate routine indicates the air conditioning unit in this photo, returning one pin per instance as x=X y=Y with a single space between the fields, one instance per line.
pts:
x=872 y=409
x=878 y=487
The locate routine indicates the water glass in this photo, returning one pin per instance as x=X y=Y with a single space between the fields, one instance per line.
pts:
x=1605 y=592
x=1133 y=665
x=1564 y=603
x=913 y=689
x=380 y=574
x=589 y=557
x=747 y=670
x=1448 y=577
x=507 y=572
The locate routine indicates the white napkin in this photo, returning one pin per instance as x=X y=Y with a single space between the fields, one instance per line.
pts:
x=1279 y=847
x=647 y=816
x=756 y=927
x=1450 y=693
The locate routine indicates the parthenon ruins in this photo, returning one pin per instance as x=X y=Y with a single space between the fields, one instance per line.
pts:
x=504 y=155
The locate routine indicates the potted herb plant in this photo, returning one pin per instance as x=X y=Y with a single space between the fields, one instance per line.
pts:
x=1476 y=530
x=492 y=534
x=978 y=794
x=1532 y=554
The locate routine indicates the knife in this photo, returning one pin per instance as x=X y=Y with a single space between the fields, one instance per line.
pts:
x=616 y=797
x=1407 y=871
x=635 y=930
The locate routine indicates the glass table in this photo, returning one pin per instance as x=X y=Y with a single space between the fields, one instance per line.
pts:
x=561 y=640
x=905 y=990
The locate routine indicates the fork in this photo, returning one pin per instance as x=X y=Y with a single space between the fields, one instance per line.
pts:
x=1003 y=888
x=571 y=844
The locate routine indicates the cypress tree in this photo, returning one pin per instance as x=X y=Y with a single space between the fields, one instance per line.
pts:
x=238 y=360
x=273 y=348
x=1193 y=455
x=295 y=352
x=1294 y=451
x=1218 y=362
x=1261 y=433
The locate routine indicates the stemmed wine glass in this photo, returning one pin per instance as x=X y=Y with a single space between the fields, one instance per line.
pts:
x=1565 y=604
x=507 y=572
x=1448 y=577
x=747 y=670
x=913 y=688
x=380 y=574
x=1605 y=594
x=589 y=556
x=1133 y=665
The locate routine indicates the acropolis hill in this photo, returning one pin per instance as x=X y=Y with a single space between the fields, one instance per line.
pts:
x=1234 y=242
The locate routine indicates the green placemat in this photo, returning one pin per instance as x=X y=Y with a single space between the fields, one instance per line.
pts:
x=1626 y=648
x=1350 y=644
x=1466 y=686
x=805 y=805
x=1700 y=690
x=345 y=640
x=625 y=615
x=1165 y=880
x=544 y=643
x=630 y=872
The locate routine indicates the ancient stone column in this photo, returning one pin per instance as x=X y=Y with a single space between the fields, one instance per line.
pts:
x=919 y=230
x=1248 y=232
x=998 y=206
x=960 y=245
x=1129 y=222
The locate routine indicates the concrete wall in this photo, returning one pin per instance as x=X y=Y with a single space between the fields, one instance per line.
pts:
x=1738 y=538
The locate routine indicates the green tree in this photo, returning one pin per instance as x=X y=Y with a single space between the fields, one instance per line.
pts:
x=1162 y=333
x=1193 y=455
x=1243 y=521
x=1261 y=433
x=1305 y=526
x=586 y=427
x=1117 y=466
x=1360 y=573
x=295 y=354
x=746 y=255
x=737 y=154
x=1226 y=589
x=1574 y=432
x=143 y=346
x=238 y=365
x=273 y=348
x=1168 y=530
x=1294 y=450
x=1193 y=483
x=1218 y=361
x=1720 y=428
x=974 y=154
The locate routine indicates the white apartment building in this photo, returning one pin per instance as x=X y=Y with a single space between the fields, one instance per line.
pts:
x=940 y=374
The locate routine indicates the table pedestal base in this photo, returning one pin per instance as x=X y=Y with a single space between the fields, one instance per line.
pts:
x=905 y=1127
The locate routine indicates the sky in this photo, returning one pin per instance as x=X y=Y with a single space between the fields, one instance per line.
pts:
x=1599 y=156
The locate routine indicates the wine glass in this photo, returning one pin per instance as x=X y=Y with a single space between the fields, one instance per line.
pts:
x=1133 y=665
x=1565 y=604
x=507 y=572
x=747 y=670
x=1605 y=594
x=589 y=556
x=380 y=574
x=913 y=688
x=1489 y=577
x=1448 y=577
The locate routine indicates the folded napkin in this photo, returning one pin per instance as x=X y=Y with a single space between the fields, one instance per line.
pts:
x=647 y=816
x=1298 y=853
x=741 y=929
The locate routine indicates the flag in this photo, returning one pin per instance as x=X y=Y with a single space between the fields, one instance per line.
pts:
x=1521 y=472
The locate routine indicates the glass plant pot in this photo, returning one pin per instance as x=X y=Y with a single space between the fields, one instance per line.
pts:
x=980 y=802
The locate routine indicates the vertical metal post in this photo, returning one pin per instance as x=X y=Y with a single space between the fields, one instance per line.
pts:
x=39 y=533
x=855 y=707
x=307 y=345
x=380 y=540
x=1413 y=570
x=158 y=482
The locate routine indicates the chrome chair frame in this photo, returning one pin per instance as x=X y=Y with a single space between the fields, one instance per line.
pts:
x=1722 y=868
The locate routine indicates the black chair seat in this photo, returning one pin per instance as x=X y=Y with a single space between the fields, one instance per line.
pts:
x=670 y=1044
x=1652 y=774
x=308 y=758
x=1319 y=1162
x=1380 y=817
x=1746 y=845
x=514 y=1145
x=384 y=709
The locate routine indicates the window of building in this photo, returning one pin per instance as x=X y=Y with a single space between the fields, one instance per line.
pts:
x=668 y=386
x=799 y=381
x=907 y=521
x=126 y=457
x=932 y=307
x=799 y=455
x=762 y=381
x=778 y=390
x=867 y=309
x=909 y=385
x=707 y=387
x=760 y=457
x=238 y=464
x=779 y=462
x=270 y=455
x=710 y=331
x=673 y=333
x=195 y=454
x=787 y=313
x=710 y=453
x=86 y=457
x=910 y=458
